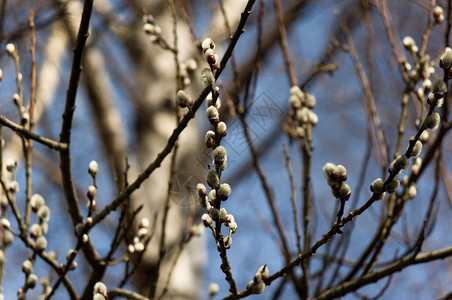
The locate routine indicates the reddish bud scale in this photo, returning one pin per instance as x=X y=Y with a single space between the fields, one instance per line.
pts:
x=211 y=59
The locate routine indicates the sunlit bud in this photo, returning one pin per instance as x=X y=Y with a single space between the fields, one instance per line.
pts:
x=72 y=266
x=5 y=223
x=183 y=99
x=445 y=60
x=207 y=44
x=438 y=14
x=36 y=202
x=303 y=115
x=130 y=248
x=2 y=257
x=10 y=165
x=1 y=74
x=207 y=77
x=19 y=77
x=232 y=226
x=404 y=180
x=212 y=179
x=417 y=148
x=25 y=118
x=44 y=213
x=206 y=220
x=217 y=62
x=202 y=193
x=301 y=133
x=294 y=101
x=144 y=223
x=220 y=155
x=212 y=115
x=4 y=201
x=100 y=288
x=345 y=192
x=401 y=162
x=91 y=192
x=412 y=191
x=427 y=85
x=310 y=101
x=93 y=168
x=213 y=289
x=212 y=195
x=415 y=168
x=406 y=66
x=392 y=186
x=229 y=218
x=313 y=118
x=227 y=241
x=32 y=280
x=224 y=191
x=209 y=138
x=149 y=28
x=209 y=55
x=432 y=121
x=8 y=237
x=16 y=98
x=409 y=43
x=330 y=171
x=139 y=247
x=41 y=243
x=420 y=92
x=439 y=88
x=191 y=65
x=264 y=271
x=85 y=238
x=296 y=91
x=222 y=129
x=377 y=186
x=342 y=172
x=223 y=213
x=35 y=230
x=142 y=232
x=13 y=186
x=209 y=101
x=10 y=48
x=27 y=266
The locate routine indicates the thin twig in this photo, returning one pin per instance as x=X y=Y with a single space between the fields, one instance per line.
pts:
x=293 y=198
x=397 y=266
x=283 y=42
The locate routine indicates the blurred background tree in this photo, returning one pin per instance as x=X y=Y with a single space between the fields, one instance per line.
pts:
x=371 y=86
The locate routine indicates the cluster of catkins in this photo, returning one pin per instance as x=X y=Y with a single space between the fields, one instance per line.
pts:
x=435 y=99
x=302 y=104
x=336 y=177
x=257 y=285
x=219 y=192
